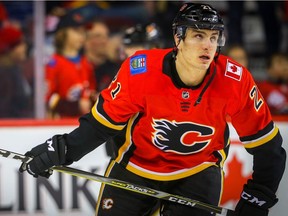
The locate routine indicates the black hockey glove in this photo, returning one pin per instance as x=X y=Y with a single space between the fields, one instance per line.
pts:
x=255 y=200
x=46 y=155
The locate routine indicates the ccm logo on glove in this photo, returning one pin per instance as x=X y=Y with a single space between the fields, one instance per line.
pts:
x=252 y=199
x=50 y=147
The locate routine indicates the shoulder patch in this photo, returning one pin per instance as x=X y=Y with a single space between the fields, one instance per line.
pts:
x=233 y=71
x=138 y=64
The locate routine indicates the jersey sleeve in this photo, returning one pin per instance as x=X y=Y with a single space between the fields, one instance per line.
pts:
x=115 y=106
x=260 y=135
x=253 y=113
x=110 y=114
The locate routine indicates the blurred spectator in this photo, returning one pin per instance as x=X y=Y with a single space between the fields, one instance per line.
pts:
x=70 y=80
x=96 y=51
x=141 y=37
x=238 y=53
x=275 y=88
x=15 y=91
x=55 y=10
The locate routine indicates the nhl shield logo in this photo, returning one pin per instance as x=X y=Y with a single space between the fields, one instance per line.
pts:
x=185 y=95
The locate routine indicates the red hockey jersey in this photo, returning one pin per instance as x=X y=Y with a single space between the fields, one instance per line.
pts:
x=69 y=81
x=167 y=136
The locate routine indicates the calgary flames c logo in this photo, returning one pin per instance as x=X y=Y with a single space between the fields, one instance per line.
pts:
x=181 y=137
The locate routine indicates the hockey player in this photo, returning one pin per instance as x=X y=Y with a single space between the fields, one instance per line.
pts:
x=167 y=109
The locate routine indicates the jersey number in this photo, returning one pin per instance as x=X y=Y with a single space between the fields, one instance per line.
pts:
x=116 y=90
x=254 y=95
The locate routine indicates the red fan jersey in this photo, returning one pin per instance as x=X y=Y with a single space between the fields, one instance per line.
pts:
x=69 y=79
x=166 y=135
x=276 y=96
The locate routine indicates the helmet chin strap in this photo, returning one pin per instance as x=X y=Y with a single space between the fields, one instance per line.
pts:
x=210 y=80
x=217 y=53
x=205 y=87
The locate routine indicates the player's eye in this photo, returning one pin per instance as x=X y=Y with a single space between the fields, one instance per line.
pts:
x=199 y=36
x=214 y=39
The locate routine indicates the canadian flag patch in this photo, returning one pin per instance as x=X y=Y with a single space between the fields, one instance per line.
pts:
x=233 y=71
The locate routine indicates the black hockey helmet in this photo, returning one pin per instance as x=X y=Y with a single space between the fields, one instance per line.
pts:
x=146 y=35
x=198 y=16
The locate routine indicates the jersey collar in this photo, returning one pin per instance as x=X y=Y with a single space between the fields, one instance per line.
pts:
x=169 y=68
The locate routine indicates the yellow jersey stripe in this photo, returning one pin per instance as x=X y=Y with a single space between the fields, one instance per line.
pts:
x=168 y=176
x=222 y=186
x=107 y=172
x=223 y=153
x=262 y=140
x=224 y=156
x=100 y=118
x=128 y=142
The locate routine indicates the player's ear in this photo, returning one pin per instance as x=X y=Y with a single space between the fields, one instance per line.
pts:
x=176 y=39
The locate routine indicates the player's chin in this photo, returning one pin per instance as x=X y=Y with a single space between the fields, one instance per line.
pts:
x=204 y=65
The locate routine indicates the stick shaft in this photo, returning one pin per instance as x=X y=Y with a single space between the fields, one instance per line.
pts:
x=126 y=185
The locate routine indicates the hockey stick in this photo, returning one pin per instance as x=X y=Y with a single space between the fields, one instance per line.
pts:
x=127 y=186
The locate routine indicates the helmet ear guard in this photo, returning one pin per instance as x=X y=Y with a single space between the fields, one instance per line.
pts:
x=221 y=40
x=181 y=32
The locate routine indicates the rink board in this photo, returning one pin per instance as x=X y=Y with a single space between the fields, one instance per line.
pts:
x=65 y=195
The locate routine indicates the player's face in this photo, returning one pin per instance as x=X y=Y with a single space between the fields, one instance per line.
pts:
x=198 y=48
